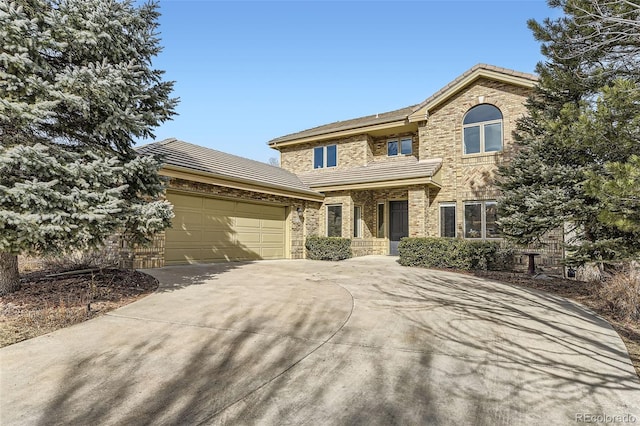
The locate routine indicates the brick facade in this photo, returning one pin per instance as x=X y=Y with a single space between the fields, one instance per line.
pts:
x=468 y=177
x=352 y=152
x=379 y=146
x=463 y=178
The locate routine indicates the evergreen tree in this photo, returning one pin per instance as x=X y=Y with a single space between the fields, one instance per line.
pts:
x=584 y=115
x=76 y=89
x=618 y=190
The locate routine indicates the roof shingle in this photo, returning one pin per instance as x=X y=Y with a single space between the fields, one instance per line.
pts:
x=183 y=154
x=402 y=168
x=370 y=120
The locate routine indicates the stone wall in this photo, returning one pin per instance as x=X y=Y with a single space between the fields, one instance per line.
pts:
x=140 y=257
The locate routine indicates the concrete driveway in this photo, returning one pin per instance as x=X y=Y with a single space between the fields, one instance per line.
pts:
x=363 y=341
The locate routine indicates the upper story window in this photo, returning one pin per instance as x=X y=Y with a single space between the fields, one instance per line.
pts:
x=325 y=156
x=482 y=129
x=399 y=147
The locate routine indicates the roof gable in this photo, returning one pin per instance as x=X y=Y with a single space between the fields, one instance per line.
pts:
x=479 y=71
x=405 y=116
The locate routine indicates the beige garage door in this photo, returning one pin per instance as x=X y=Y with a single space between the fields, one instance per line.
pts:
x=213 y=230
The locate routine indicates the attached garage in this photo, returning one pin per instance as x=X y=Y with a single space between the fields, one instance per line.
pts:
x=207 y=229
x=227 y=208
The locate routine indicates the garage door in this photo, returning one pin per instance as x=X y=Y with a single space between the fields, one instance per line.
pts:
x=213 y=230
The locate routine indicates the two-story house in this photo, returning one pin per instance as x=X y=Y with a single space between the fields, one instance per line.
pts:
x=424 y=170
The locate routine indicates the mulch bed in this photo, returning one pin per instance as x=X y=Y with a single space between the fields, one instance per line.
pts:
x=45 y=303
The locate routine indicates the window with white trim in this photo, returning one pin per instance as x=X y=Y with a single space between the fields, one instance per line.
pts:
x=448 y=220
x=357 y=222
x=325 y=156
x=482 y=130
x=480 y=219
x=334 y=220
x=399 y=147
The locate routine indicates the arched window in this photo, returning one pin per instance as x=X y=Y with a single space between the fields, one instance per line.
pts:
x=482 y=129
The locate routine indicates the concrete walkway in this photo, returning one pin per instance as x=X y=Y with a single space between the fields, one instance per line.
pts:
x=364 y=341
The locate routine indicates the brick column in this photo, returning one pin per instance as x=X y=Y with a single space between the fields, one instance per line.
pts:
x=418 y=204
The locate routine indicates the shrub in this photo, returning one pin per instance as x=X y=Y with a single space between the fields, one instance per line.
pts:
x=328 y=248
x=621 y=295
x=455 y=253
x=87 y=259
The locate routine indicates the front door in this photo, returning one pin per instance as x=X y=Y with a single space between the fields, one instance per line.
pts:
x=398 y=224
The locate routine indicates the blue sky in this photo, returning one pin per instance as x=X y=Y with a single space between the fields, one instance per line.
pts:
x=247 y=72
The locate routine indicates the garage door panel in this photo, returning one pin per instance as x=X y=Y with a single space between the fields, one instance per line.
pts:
x=272 y=238
x=181 y=255
x=272 y=253
x=180 y=237
x=217 y=237
x=214 y=254
x=272 y=212
x=240 y=253
x=218 y=205
x=219 y=220
x=214 y=230
x=248 y=237
x=276 y=225
x=186 y=218
x=248 y=208
x=185 y=201
x=246 y=222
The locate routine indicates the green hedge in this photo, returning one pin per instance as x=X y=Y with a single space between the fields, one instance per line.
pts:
x=328 y=248
x=455 y=253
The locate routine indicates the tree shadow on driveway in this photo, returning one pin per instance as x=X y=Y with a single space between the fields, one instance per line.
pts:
x=184 y=375
x=334 y=344
x=536 y=354
x=173 y=278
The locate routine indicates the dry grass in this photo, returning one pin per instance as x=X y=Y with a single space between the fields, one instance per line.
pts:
x=45 y=304
x=25 y=324
x=621 y=296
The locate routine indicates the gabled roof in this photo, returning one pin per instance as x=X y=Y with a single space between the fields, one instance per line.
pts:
x=383 y=119
x=478 y=71
x=387 y=173
x=180 y=155
x=404 y=116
